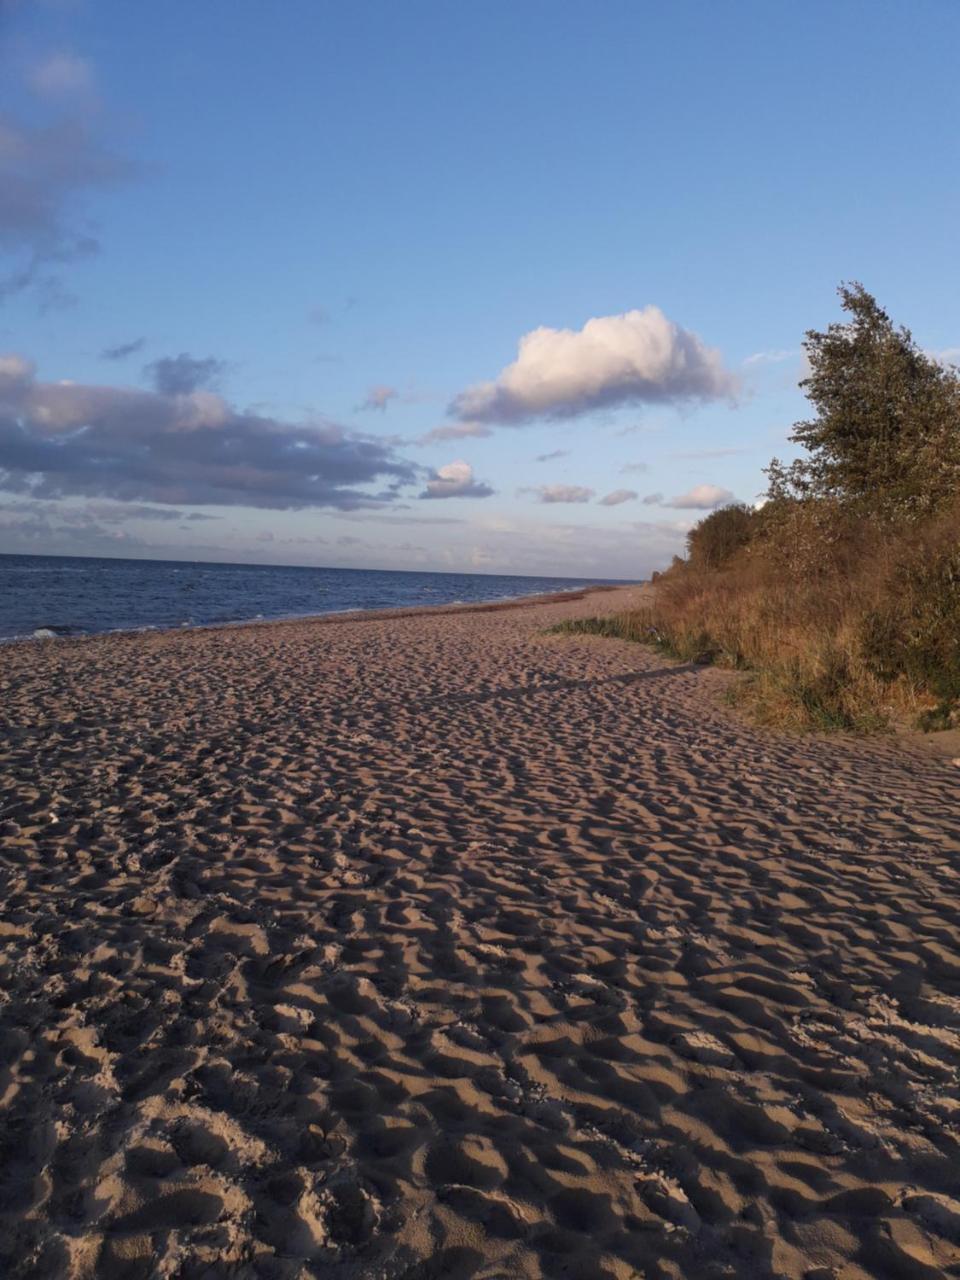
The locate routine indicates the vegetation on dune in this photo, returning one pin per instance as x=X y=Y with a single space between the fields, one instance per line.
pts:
x=840 y=595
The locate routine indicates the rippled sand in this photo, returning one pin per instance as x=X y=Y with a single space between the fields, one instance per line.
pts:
x=436 y=946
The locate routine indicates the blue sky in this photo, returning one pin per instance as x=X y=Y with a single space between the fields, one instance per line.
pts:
x=345 y=218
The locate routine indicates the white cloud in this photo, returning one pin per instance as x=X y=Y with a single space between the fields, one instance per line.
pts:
x=702 y=497
x=455 y=480
x=619 y=496
x=636 y=357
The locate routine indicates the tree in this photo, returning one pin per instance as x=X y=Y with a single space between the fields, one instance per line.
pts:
x=886 y=438
x=720 y=535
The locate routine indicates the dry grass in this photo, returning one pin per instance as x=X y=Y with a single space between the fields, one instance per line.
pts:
x=861 y=634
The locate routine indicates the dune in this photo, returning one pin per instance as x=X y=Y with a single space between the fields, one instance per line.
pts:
x=435 y=945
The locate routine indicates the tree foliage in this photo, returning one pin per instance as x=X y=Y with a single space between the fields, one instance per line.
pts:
x=719 y=536
x=886 y=436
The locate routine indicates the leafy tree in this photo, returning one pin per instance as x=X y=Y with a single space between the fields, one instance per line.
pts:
x=886 y=438
x=720 y=535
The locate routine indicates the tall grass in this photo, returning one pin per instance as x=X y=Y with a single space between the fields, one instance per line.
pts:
x=858 y=633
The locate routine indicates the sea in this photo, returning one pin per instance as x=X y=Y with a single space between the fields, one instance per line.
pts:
x=50 y=597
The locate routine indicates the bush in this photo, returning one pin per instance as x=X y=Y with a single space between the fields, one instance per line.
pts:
x=914 y=632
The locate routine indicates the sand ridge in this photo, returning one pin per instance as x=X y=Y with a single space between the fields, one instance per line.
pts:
x=440 y=946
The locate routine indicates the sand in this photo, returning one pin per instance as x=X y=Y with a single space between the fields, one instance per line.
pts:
x=437 y=946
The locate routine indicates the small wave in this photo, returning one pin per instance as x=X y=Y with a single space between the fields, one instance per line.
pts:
x=57 y=631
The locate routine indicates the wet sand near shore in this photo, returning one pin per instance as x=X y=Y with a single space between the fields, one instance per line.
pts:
x=433 y=945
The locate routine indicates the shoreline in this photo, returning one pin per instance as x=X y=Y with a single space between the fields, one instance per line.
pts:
x=345 y=615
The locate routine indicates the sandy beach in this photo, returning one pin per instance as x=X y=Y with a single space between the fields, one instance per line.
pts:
x=435 y=945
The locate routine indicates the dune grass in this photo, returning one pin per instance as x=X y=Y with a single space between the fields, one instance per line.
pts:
x=865 y=638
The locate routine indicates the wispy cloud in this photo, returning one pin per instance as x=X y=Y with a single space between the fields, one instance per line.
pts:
x=123 y=349
x=653 y=500
x=708 y=453
x=379 y=397
x=61 y=75
x=771 y=357
x=553 y=493
x=633 y=466
x=45 y=171
x=458 y=431
x=618 y=497
x=552 y=457
x=120 y=512
x=179 y=375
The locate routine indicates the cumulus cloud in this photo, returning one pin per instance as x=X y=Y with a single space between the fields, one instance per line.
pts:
x=379 y=397
x=45 y=170
x=653 y=500
x=637 y=357
x=179 y=375
x=551 y=493
x=455 y=480
x=62 y=438
x=551 y=457
x=702 y=497
x=619 y=496
x=123 y=349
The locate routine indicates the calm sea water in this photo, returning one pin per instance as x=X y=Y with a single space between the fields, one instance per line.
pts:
x=67 y=595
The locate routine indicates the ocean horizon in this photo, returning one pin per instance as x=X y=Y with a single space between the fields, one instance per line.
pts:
x=46 y=597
